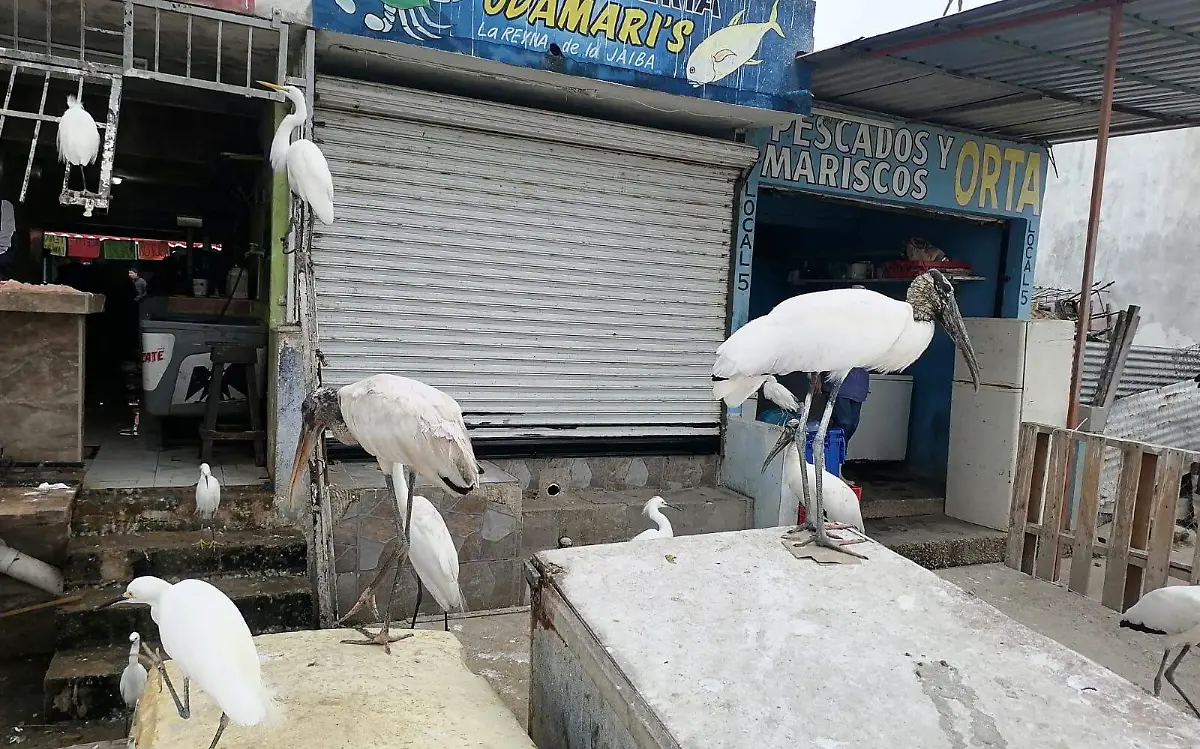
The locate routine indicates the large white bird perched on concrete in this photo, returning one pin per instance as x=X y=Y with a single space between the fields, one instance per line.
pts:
x=133 y=678
x=841 y=503
x=662 y=529
x=78 y=137
x=208 y=498
x=307 y=171
x=433 y=555
x=833 y=332
x=207 y=638
x=1172 y=611
x=410 y=428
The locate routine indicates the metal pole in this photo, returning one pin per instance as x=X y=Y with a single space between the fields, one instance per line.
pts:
x=1093 y=228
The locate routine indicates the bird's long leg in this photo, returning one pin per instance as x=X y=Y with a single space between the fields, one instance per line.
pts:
x=1159 y=676
x=417 y=607
x=367 y=598
x=1171 y=678
x=445 y=620
x=184 y=707
x=128 y=719
x=818 y=508
x=220 y=730
x=800 y=436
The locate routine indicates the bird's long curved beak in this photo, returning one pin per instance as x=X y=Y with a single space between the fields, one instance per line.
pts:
x=272 y=86
x=673 y=507
x=304 y=448
x=952 y=321
x=786 y=435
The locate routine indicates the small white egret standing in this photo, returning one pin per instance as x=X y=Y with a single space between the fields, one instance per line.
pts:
x=841 y=504
x=833 y=332
x=133 y=678
x=78 y=137
x=1173 y=611
x=410 y=428
x=433 y=555
x=206 y=636
x=307 y=171
x=208 y=498
x=653 y=510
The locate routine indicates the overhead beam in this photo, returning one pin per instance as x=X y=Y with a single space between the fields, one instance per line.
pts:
x=1134 y=19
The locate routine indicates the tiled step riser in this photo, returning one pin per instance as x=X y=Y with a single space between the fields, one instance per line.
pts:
x=92 y=567
x=105 y=511
x=264 y=614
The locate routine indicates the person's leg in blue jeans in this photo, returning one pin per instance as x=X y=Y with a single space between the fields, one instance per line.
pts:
x=845 y=416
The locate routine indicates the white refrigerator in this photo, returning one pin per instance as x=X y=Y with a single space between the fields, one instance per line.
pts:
x=1025 y=375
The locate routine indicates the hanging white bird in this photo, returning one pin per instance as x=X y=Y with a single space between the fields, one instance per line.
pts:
x=841 y=503
x=1174 y=612
x=205 y=634
x=410 y=428
x=78 y=137
x=307 y=171
x=653 y=510
x=133 y=678
x=208 y=498
x=833 y=332
x=433 y=555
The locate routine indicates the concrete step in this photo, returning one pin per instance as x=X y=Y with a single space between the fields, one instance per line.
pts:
x=85 y=684
x=901 y=508
x=277 y=603
x=95 y=560
x=108 y=511
x=937 y=541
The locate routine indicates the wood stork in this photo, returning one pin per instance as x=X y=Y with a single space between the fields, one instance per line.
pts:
x=410 y=428
x=1173 y=611
x=133 y=678
x=653 y=510
x=833 y=332
x=78 y=137
x=208 y=498
x=205 y=635
x=307 y=171
x=434 y=557
x=841 y=504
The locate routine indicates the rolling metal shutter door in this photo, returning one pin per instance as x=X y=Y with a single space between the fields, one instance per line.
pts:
x=558 y=276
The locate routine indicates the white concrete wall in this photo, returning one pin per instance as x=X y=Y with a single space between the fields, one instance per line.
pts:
x=1149 y=229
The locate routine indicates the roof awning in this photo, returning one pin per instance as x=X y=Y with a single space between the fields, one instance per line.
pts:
x=1028 y=70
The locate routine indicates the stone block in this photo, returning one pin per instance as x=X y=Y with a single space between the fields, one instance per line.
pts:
x=41 y=387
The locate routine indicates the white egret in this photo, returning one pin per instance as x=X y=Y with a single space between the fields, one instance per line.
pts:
x=433 y=555
x=307 y=171
x=653 y=510
x=410 y=428
x=832 y=332
x=133 y=678
x=208 y=497
x=205 y=634
x=841 y=503
x=78 y=137
x=1172 y=611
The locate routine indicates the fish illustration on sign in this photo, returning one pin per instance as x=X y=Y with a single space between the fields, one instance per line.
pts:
x=730 y=48
x=413 y=16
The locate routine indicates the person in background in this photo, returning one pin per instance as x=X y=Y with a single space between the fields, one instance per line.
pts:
x=8 y=232
x=848 y=406
x=139 y=286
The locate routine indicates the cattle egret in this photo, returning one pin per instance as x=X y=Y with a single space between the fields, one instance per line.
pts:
x=205 y=634
x=1173 y=611
x=307 y=171
x=411 y=429
x=133 y=678
x=78 y=137
x=208 y=498
x=434 y=557
x=653 y=510
x=841 y=503
x=833 y=332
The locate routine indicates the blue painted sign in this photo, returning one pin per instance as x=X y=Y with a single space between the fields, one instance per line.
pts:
x=738 y=51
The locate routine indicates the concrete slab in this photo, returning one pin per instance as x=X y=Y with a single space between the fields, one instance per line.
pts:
x=825 y=656
x=340 y=696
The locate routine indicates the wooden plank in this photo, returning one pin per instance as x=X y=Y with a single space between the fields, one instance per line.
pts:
x=1022 y=483
x=1061 y=447
x=1162 y=525
x=1194 y=573
x=1037 y=491
x=1089 y=507
x=1139 y=535
x=1118 y=540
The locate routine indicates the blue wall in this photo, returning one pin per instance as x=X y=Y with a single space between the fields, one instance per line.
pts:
x=793 y=227
x=735 y=51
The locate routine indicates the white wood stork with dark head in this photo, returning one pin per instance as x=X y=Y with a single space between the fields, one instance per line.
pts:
x=410 y=428
x=841 y=503
x=307 y=170
x=833 y=332
x=1173 y=611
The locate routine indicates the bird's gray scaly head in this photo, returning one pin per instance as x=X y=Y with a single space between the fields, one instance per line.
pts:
x=319 y=410
x=786 y=435
x=932 y=299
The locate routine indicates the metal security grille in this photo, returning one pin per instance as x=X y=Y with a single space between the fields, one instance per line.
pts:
x=556 y=275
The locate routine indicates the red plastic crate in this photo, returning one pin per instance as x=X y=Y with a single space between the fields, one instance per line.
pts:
x=914 y=268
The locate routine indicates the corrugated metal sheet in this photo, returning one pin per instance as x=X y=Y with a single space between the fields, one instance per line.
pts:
x=556 y=275
x=1146 y=368
x=985 y=70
